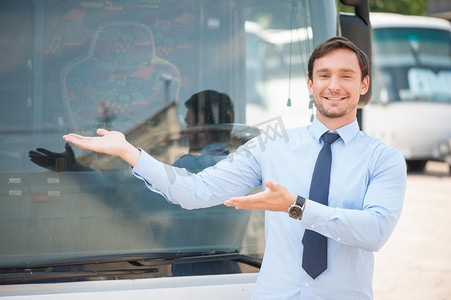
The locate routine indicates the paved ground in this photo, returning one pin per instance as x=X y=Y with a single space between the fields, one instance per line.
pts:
x=416 y=261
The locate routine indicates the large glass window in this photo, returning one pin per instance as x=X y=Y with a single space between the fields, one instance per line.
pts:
x=188 y=81
x=411 y=64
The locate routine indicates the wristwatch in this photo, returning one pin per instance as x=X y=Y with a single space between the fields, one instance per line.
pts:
x=297 y=208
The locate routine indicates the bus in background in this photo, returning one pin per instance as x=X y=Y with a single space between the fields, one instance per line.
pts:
x=411 y=105
x=75 y=224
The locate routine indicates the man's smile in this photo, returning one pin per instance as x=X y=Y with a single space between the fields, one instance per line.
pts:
x=334 y=98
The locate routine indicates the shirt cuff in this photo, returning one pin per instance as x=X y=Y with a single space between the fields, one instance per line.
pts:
x=147 y=167
x=316 y=216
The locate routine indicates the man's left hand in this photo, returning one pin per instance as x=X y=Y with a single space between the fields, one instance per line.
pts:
x=275 y=198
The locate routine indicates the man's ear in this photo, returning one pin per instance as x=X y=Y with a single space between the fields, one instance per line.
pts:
x=309 y=85
x=364 y=85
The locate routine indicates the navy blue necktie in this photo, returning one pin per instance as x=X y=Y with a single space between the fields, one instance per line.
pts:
x=314 y=258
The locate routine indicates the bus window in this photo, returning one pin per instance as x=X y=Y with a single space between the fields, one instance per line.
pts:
x=415 y=60
x=188 y=81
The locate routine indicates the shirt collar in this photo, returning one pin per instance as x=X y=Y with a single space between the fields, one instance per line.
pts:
x=347 y=132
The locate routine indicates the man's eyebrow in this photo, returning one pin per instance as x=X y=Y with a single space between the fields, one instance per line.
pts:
x=346 y=70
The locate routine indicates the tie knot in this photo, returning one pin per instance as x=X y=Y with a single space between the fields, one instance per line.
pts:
x=330 y=137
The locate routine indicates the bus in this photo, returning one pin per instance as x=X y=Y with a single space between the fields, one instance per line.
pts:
x=78 y=224
x=411 y=105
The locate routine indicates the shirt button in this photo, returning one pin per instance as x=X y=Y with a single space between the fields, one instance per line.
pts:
x=312 y=226
x=306 y=284
x=338 y=238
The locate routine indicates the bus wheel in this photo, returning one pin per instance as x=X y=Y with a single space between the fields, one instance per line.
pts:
x=416 y=165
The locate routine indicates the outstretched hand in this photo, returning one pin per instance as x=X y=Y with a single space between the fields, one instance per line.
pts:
x=275 y=198
x=108 y=142
x=54 y=161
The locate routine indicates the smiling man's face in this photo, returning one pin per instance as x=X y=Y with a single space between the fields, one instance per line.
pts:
x=336 y=87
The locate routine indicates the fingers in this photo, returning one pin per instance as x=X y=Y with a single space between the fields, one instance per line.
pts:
x=69 y=150
x=47 y=152
x=78 y=140
x=41 y=160
x=231 y=203
x=244 y=202
x=273 y=186
x=41 y=163
x=102 y=131
x=259 y=201
x=236 y=201
x=275 y=198
x=73 y=136
x=37 y=155
x=270 y=185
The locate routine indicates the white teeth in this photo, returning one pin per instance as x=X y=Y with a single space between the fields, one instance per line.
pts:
x=330 y=98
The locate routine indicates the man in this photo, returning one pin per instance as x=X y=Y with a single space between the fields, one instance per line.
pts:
x=364 y=202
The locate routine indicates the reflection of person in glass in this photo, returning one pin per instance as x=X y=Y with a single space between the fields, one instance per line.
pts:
x=209 y=123
x=208 y=120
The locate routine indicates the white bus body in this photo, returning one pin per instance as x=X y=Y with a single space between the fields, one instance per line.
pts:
x=77 y=225
x=218 y=287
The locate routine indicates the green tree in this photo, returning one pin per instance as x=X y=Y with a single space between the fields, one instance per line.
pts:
x=405 y=7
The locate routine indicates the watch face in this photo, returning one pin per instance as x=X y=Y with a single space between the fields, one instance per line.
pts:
x=295 y=212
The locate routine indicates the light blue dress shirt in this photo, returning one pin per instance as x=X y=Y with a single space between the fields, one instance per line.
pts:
x=367 y=188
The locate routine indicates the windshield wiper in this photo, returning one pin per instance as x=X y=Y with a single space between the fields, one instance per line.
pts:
x=197 y=257
x=114 y=266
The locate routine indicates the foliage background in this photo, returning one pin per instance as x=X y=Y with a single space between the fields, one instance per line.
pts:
x=405 y=7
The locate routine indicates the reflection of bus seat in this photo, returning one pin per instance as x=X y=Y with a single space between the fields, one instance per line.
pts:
x=120 y=82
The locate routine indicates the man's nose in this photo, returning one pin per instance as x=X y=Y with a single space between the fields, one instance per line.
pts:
x=334 y=83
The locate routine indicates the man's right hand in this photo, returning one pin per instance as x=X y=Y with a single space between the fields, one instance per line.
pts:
x=109 y=142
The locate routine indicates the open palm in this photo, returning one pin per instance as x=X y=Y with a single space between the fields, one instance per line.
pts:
x=109 y=142
x=275 y=198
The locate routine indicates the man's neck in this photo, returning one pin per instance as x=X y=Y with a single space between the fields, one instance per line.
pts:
x=335 y=123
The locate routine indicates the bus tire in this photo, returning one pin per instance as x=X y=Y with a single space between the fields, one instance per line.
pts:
x=416 y=165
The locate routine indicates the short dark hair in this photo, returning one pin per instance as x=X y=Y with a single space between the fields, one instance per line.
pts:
x=334 y=43
x=217 y=108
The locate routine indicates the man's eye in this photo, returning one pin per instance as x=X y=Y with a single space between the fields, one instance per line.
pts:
x=323 y=76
